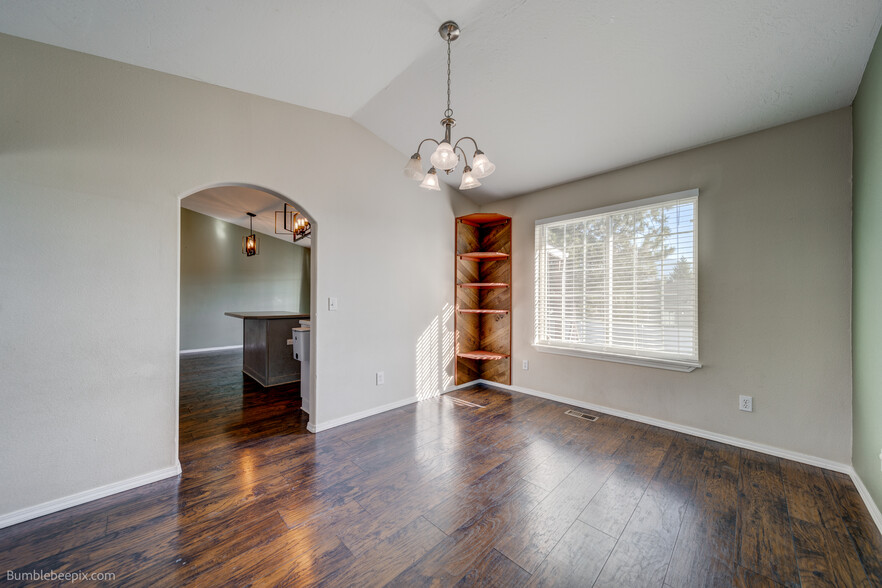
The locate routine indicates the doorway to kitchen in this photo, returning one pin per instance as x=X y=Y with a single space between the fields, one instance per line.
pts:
x=246 y=257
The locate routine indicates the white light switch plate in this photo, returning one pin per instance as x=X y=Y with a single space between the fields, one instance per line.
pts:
x=332 y=304
x=381 y=378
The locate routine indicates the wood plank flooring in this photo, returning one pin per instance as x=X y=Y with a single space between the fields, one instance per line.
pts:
x=480 y=487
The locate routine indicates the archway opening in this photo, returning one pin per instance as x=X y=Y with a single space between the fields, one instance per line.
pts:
x=243 y=304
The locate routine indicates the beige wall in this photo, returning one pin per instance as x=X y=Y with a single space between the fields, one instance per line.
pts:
x=94 y=156
x=774 y=225
x=216 y=278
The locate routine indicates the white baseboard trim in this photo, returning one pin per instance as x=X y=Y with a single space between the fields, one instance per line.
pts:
x=318 y=427
x=206 y=349
x=867 y=498
x=704 y=434
x=39 y=510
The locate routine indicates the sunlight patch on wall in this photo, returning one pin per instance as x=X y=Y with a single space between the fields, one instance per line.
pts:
x=445 y=358
x=427 y=377
x=434 y=352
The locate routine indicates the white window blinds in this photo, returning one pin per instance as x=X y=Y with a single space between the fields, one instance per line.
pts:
x=621 y=280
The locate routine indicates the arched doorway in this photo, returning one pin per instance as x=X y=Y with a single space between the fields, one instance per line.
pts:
x=227 y=203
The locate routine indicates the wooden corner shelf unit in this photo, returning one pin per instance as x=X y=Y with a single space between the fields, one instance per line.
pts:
x=483 y=298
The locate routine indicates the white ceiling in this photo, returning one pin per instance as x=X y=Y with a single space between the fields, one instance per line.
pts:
x=231 y=203
x=553 y=90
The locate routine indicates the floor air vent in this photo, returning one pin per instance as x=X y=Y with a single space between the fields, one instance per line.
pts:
x=582 y=415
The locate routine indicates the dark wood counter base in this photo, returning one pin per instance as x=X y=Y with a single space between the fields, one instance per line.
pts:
x=266 y=355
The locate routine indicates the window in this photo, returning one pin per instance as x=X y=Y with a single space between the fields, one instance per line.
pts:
x=620 y=283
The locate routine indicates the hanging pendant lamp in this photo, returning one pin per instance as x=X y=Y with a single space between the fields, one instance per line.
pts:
x=250 y=243
x=293 y=223
x=445 y=157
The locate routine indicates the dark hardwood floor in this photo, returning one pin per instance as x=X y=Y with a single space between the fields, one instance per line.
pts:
x=477 y=487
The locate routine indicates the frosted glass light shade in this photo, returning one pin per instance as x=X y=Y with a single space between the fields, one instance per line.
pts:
x=444 y=157
x=414 y=168
x=468 y=180
x=481 y=165
x=430 y=182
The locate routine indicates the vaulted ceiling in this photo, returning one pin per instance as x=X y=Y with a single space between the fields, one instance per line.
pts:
x=552 y=90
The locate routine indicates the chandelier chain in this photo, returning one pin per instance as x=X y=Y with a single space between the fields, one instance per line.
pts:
x=449 y=112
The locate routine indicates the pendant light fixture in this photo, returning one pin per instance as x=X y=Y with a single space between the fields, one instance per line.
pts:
x=250 y=243
x=445 y=157
x=293 y=223
x=301 y=228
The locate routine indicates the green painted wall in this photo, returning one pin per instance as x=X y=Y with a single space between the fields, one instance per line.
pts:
x=217 y=278
x=867 y=310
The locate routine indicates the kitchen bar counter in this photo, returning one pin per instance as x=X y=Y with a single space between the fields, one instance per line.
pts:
x=266 y=355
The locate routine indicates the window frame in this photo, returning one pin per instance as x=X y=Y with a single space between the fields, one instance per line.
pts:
x=562 y=348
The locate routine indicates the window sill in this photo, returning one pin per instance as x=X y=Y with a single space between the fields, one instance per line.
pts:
x=665 y=364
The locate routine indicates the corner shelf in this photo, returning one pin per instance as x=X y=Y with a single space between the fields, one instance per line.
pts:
x=482 y=355
x=483 y=298
x=484 y=285
x=484 y=219
x=484 y=256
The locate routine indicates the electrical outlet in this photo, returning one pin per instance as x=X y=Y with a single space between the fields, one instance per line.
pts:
x=332 y=304
x=745 y=403
x=381 y=378
x=526 y=364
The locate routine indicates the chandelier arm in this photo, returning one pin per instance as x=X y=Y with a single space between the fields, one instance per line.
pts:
x=470 y=139
x=424 y=140
x=464 y=158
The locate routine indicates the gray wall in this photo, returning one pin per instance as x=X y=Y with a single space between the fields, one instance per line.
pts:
x=94 y=158
x=217 y=278
x=774 y=260
x=868 y=276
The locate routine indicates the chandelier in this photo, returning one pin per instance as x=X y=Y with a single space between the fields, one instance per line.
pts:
x=301 y=228
x=445 y=157
x=293 y=223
